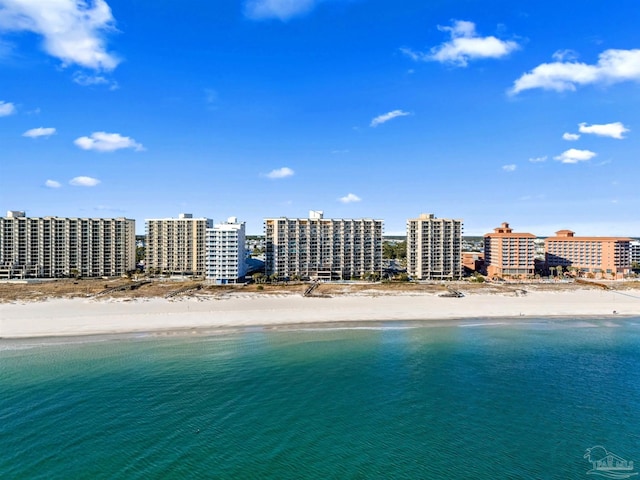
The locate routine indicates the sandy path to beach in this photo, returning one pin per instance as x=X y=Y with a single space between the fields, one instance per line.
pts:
x=86 y=316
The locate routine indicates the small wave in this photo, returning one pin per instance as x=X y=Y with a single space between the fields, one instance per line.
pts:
x=492 y=324
x=325 y=329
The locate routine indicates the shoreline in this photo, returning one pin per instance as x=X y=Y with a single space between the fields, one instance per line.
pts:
x=84 y=317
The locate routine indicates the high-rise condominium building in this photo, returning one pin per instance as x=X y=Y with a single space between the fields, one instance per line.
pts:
x=177 y=245
x=634 y=252
x=507 y=253
x=226 y=258
x=602 y=256
x=323 y=248
x=53 y=247
x=434 y=248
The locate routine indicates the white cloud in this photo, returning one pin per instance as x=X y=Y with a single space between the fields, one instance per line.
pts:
x=380 y=119
x=565 y=55
x=91 y=80
x=39 y=132
x=350 y=198
x=538 y=159
x=613 y=130
x=465 y=45
x=570 y=137
x=280 y=9
x=280 y=173
x=509 y=168
x=7 y=108
x=574 y=156
x=52 y=184
x=613 y=66
x=73 y=30
x=84 y=182
x=107 y=142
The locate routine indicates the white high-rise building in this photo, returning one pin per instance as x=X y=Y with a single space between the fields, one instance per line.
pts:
x=323 y=248
x=434 y=248
x=177 y=245
x=54 y=247
x=634 y=251
x=226 y=256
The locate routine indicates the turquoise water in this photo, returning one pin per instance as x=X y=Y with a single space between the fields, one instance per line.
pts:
x=399 y=400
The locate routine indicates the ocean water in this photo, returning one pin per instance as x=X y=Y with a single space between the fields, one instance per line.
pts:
x=470 y=399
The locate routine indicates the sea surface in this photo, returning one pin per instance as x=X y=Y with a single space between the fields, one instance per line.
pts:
x=474 y=399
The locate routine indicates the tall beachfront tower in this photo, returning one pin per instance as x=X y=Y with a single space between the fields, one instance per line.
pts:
x=226 y=256
x=53 y=247
x=634 y=252
x=323 y=248
x=177 y=245
x=509 y=254
x=434 y=248
x=606 y=257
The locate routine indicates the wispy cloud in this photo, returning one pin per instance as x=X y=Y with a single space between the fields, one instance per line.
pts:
x=385 y=117
x=538 y=159
x=93 y=80
x=509 y=168
x=280 y=173
x=574 y=156
x=612 y=130
x=280 y=9
x=570 y=137
x=7 y=108
x=39 y=132
x=465 y=45
x=350 y=198
x=84 y=181
x=52 y=184
x=107 y=142
x=73 y=30
x=613 y=66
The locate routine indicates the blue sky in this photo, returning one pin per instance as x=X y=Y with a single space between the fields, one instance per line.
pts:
x=489 y=111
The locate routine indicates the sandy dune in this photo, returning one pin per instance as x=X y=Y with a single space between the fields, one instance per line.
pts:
x=85 y=316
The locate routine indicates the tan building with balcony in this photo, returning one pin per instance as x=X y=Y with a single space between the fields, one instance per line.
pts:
x=508 y=253
x=599 y=257
x=434 y=248
x=177 y=245
x=323 y=248
x=54 y=247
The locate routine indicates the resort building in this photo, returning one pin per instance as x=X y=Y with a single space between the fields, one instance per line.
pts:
x=434 y=248
x=591 y=256
x=323 y=248
x=226 y=256
x=54 y=247
x=177 y=245
x=509 y=254
x=472 y=262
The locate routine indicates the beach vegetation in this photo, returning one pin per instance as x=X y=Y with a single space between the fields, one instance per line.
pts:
x=394 y=250
x=477 y=278
x=371 y=277
x=259 y=277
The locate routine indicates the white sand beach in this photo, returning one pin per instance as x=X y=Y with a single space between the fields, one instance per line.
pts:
x=65 y=317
